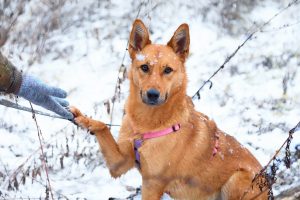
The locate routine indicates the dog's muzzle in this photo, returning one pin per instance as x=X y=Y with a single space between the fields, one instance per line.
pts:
x=153 y=97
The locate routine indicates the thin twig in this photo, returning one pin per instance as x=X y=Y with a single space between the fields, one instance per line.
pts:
x=120 y=69
x=295 y=129
x=261 y=172
x=58 y=193
x=42 y=150
x=284 y=26
x=222 y=66
x=4 y=32
x=259 y=29
x=17 y=170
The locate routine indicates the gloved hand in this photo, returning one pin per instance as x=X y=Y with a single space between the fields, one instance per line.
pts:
x=39 y=93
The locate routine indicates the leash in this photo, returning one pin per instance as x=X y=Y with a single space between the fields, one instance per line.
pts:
x=10 y=104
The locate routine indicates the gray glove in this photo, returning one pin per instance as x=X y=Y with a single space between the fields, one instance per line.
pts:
x=39 y=93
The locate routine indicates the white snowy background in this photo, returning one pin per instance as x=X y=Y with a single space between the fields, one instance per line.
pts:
x=79 y=46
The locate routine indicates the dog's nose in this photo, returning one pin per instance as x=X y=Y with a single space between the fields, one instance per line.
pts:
x=153 y=95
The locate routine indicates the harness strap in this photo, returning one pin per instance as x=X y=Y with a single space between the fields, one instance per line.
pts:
x=166 y=131
x=137 y=145
x=138 y=142
x=216 y=148
x=149 y=135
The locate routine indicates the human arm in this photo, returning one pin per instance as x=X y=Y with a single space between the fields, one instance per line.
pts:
x=32 y=89
x=10 y=77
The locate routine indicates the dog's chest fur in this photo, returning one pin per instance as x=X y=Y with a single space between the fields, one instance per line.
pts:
x=184 y=160
x=170 y=158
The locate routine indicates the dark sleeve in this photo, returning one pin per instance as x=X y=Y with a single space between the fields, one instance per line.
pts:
x=10 y=77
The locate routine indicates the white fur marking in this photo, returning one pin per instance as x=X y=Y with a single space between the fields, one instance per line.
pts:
x=140 y=57
x=222 y=156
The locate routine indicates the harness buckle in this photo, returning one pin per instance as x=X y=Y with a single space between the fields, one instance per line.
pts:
x=176 y=127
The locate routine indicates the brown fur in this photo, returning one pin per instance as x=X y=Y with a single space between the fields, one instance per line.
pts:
x=180 y=163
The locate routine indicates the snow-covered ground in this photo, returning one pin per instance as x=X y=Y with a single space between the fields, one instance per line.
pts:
x=79 y=45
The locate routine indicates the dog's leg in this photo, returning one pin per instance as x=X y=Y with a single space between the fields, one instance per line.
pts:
x=119 y=156
x=152 y=189
x=238 y=185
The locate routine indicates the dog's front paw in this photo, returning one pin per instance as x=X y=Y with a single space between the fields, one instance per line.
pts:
x=79 y=118
x=85 y=122
x=96 y=126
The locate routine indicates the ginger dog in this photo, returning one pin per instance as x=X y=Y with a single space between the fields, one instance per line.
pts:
x=179 y=151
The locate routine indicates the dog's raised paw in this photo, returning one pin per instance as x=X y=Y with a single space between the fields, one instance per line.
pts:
x=82 y=121
x=85 y=122
x=79 y=118
x=96 y=126
x=75 y=111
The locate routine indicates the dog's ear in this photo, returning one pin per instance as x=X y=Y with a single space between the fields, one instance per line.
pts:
x=180 y=42
x=139 y=38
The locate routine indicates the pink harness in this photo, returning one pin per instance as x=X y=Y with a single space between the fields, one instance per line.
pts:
x=154 y=134
x=217 y=145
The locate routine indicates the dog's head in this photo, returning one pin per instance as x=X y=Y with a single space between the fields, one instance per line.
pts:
x=158 y=71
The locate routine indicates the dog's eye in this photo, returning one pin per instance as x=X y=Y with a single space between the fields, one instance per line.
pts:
x=145 y=68
x=168 y=70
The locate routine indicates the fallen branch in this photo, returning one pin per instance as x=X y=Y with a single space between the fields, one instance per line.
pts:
x=42 y=151
x=264 y=180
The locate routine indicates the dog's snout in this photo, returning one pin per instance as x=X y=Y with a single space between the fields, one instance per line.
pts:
x=153 y=95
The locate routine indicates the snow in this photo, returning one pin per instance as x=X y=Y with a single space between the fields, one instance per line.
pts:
x=83 y=55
